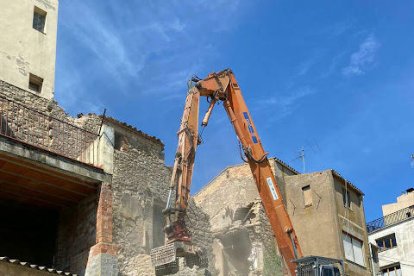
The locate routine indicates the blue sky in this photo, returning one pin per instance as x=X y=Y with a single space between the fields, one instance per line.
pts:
x=332 y=77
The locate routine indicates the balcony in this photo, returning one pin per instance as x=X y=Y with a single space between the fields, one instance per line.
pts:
x=391 y=219
x=46 y=161
x=29 y=126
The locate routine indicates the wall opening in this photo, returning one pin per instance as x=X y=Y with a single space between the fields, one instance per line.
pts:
x=28 y=233
x=39 y=19
x=346 y=198
x=35 y=83
x=307 y=195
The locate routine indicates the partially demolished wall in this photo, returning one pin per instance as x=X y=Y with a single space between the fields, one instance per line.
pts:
x=244 y=242
x=140 y=186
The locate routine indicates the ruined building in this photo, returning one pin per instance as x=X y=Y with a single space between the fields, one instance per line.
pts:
x=78 y=195
x=326 y=211
x=392 y=237
x=85 y=195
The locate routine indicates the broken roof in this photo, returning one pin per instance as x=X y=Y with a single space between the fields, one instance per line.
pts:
x=133 y=129
x=126 y=126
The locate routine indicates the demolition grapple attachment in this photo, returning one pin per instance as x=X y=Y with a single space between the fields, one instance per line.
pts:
x=168 y=259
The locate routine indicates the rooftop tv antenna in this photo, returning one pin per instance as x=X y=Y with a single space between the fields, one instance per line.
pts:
x=301 y=156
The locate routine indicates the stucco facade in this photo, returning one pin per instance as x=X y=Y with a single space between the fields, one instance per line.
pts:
x=321 y=225
x=402 y=253
x=392 y=237
x=25 y=50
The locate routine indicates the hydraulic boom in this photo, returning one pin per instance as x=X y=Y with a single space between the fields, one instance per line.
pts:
x=220 y=87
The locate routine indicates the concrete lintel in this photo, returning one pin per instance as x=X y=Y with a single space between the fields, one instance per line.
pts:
x=40 y=157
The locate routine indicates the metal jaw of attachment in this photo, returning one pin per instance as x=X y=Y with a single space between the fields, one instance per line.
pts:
x=166 y=258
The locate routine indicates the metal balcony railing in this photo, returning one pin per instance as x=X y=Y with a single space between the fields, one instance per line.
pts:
x=391 y=219
x=24 y=124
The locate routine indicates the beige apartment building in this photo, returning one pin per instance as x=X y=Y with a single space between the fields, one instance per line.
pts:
x=326 y=210
x=28 y=44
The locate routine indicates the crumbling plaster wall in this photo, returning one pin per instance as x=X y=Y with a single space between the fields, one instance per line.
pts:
x=240 y=189
x=234 y=188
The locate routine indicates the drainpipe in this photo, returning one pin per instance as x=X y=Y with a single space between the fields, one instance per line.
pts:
x=371 y=256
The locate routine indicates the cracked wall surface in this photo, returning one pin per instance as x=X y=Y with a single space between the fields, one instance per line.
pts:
x=244 y=243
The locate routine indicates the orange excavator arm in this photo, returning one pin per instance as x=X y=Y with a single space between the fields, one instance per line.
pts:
x=223 y=87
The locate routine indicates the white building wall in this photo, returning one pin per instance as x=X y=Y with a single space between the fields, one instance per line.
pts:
x=25 y=50
x=404 y=252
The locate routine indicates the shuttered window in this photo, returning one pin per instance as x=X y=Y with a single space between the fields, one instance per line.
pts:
x=353 y=249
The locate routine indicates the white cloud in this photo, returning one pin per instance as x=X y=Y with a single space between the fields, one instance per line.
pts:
x=361 y=60
x=305 y=66
x=286 y=104
x=147 y=48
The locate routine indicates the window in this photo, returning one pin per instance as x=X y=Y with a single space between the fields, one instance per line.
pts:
x=353 y=248
x=346 y=198
x=393 y=270
x=387 y=242
x=307 y=195
x=35 y=83
x=39 y=19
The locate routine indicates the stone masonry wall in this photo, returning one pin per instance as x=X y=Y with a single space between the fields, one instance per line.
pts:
x=28 y=117
x=139 y=182
x=140 y=186
x=223 y=199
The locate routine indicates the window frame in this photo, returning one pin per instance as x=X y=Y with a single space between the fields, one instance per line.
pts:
x=39 y=20
x=307 y=196
x=35 y=81
x=392 y=238
x=385 y=271
x=353 y=246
